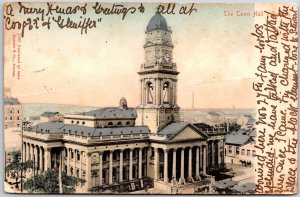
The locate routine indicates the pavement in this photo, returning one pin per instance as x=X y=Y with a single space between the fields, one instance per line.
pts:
x=242 y=174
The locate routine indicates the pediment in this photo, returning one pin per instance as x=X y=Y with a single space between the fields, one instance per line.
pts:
x=188 y=133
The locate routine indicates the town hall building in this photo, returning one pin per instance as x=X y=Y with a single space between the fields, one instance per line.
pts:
x=123 y=149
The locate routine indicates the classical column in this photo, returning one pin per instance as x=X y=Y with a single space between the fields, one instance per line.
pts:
x=29 y=151
x=190 y=165
x=158 y=81
x=175 y=91
x=156 y=164
x=88 y=169
x=182 y=166
x=204 y=160
x=197 y=162
x=140 y=162
x=110 y=180
x=36 y=164
x=41 y=160
x=24 y=152
x=69 y=162
x=141 y=101
x=201 y=157
x=213 y=153
x=80 y=166
x=47 y=158
x=75 y=156
x=144 y=92
x=62 y=160
x=155 y=92
x=130 y=164
x=219 y=155
x=100 y=168
x=174 y=164
x=166 y=165
x=121 y=166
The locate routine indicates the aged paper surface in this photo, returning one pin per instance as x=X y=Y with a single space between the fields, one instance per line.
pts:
x=150 y=98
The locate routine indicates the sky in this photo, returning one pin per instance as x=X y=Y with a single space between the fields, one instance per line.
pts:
x=214 y=55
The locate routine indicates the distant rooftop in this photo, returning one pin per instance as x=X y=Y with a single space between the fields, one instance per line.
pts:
x=112 y=112
x=49 y=114
x=61 y=128
x=11 y=101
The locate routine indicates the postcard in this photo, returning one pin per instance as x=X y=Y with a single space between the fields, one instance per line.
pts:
x=150 y=98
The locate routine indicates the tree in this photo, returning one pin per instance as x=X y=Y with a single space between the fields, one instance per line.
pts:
x=15 y=167
x=48 y=182
x=232 y=126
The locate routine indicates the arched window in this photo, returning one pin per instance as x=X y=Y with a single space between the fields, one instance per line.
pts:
x=166 y=93
x=110 y=123
x=127 y=123
x=83 y=123
x=149 y=93
x=119 y=123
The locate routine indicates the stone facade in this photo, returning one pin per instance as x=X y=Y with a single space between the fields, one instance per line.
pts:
x=12 y=112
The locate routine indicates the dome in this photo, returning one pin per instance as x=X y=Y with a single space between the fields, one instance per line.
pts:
x=157 y=22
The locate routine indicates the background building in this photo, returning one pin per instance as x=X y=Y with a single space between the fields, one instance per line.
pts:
x=240 y=146
x=12 y=111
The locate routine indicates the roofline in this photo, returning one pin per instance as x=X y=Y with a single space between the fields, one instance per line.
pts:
x=158 y=71
x=198 y=131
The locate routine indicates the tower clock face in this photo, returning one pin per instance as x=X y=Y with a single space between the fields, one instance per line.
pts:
x=150 y=57
x=166 y=57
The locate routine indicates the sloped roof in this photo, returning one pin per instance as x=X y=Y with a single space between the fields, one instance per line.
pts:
x=49 y=114
x=173 y=129
x=59 y=127
x=112 y=112
x=240 y=137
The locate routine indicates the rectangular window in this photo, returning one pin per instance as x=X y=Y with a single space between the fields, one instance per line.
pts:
x=248 y=152
x=253 y=153
x=237 y=150
x=78 y=156
x=230 y=149
x=243 y=151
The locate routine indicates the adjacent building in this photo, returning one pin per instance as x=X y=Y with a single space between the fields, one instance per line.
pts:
x=12 y=112
x=51 y=117
x=240 y=147
x=125 y=149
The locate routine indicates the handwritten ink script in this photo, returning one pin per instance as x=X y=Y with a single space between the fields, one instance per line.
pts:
x=82 y=16
x=276 y=88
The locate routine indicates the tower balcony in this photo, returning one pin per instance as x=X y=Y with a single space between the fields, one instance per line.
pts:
x=159 y=67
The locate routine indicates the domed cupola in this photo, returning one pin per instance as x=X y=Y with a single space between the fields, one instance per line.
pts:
x=157 y=22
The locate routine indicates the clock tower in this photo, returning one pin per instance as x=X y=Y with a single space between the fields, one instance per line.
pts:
x=158 y=78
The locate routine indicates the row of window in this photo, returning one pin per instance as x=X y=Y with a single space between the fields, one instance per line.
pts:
x=77 y=122
x=11 y=118
x=109 y=123
x=243 y=151
x=12 y=111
